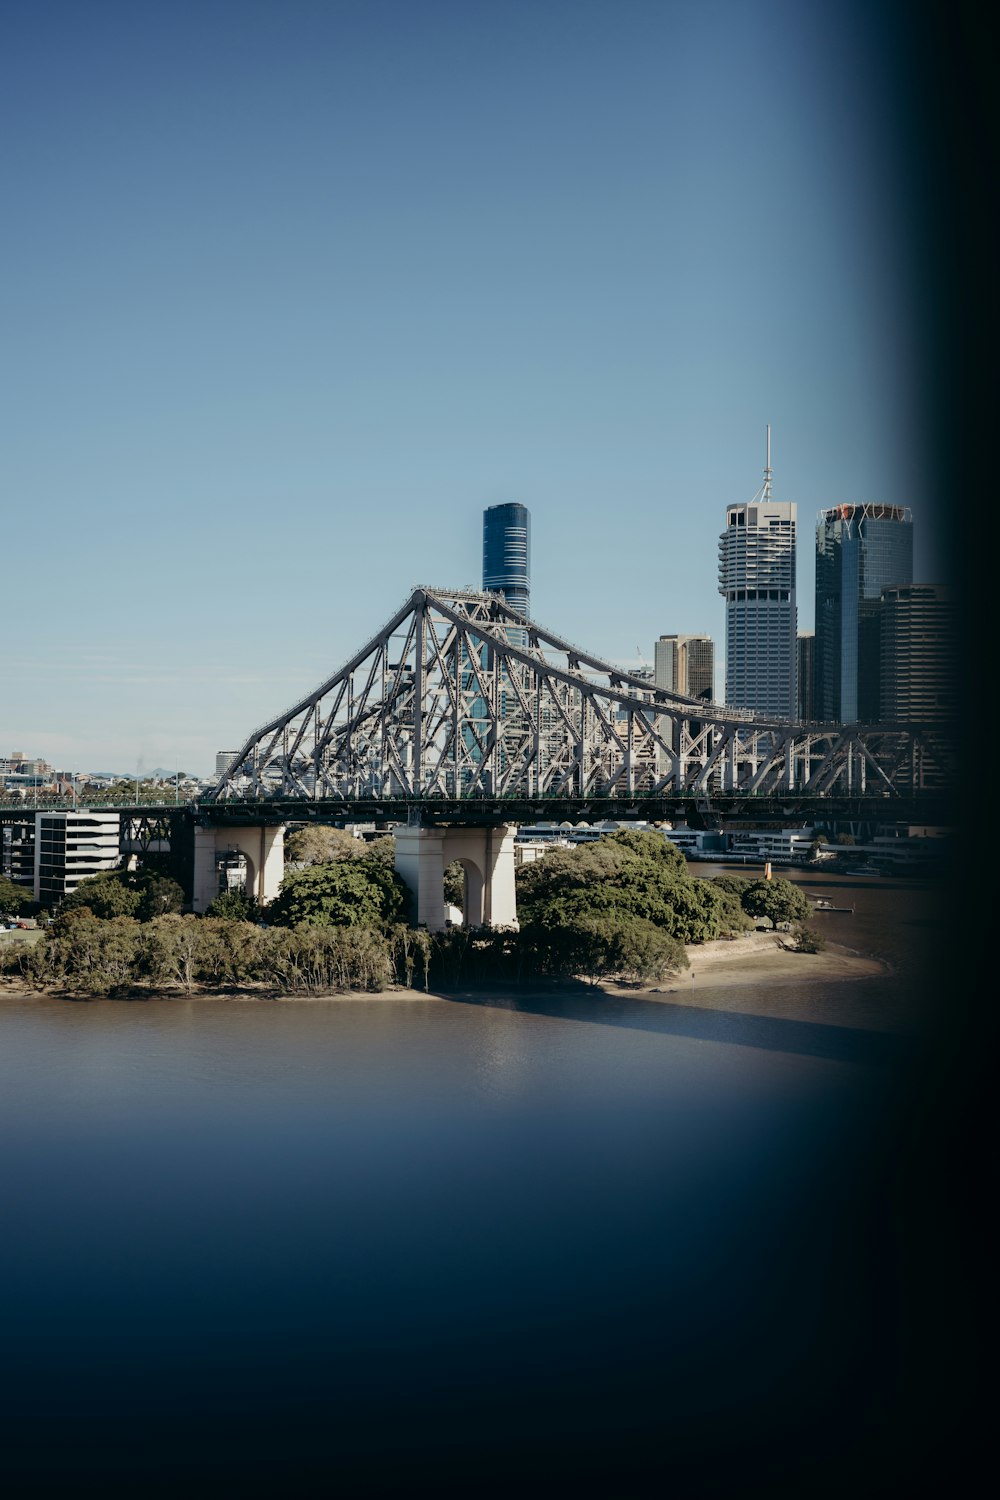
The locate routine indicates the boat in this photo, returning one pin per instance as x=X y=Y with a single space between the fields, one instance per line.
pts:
x=865 y=869
x=820 y=903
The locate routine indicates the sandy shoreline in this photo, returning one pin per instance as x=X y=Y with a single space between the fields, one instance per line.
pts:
x=754 y=959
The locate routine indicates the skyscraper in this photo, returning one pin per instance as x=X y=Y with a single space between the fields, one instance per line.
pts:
x=507 y=553
x=919 y=654
x=860 y=550
x=807 y=656
x=685 y=664
x=757 y=581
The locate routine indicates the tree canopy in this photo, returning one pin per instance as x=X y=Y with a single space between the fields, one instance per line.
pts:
x=13 y=897
x=775 y=900
x=636 y=874
x=342 y=893
x=318 y=844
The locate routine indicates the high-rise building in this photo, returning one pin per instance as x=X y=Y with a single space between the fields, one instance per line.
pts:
x=685 y=664
x=507 y=554
x=860 y=550
x=806 y=710
x=757 y=581
x=918 y=649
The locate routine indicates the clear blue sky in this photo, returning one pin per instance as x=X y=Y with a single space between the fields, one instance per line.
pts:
x=294 y=289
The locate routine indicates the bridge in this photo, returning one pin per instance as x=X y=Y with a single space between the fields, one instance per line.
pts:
x=461 y=719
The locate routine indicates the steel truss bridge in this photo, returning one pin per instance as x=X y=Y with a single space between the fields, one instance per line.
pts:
x=460 y=708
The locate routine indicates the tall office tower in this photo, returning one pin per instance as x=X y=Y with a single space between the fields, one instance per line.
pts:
x=806 y=711
x=860 y=550
x=919 y=654
x=507 y=553
x=757 y=581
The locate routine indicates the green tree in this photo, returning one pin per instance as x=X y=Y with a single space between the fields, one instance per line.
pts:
x=235 y=906
x=598 y=945
x=730 y=889
x=318 y=844
x=13 y=897
x=807 y=940
x=777 y=901
x=629 y=874
x=158 y=896
x=85 y=954
x=106 y=895
x=454 y=884
x=343 y=893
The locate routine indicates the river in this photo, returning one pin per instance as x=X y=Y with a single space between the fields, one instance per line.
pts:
x=496 y=1246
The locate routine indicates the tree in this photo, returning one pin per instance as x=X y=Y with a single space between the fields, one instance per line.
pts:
x=777 y=901
x=342 y=893
x=730 y=889
x=317 y=844
x=158 y=896
x=807 y=939
x=13 y=897
x=454 y=884
x=634 y=874
x=600 y=945
x=234 y=906
x=106 y=895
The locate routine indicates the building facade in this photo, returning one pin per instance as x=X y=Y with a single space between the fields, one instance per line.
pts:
x=860 y=550
x=757 y=581
x=69 y=846
x=507 y=554
x=806 y=711
x=685 y=664
x=918 y=642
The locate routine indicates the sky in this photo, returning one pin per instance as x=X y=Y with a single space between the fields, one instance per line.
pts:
x=293 y=291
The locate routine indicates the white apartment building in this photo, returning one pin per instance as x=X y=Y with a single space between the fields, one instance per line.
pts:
x=757 y=581
x=69 y=846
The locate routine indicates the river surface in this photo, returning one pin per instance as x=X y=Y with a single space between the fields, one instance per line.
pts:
x=382 y=1245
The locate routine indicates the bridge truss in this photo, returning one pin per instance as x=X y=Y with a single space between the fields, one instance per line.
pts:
x=460 y=697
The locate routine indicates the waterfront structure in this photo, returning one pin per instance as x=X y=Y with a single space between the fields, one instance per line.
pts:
x=70 y=846
x=918 y=643
x=806 y=710
x=860 y=550
x=507 y=554
x=757 y=581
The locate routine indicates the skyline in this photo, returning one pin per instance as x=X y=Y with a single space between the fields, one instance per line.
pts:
x=295 y=293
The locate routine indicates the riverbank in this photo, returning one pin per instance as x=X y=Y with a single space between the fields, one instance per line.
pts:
x=759 y=958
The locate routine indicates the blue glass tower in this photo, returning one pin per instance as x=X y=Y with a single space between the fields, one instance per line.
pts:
x=860 y=550
x=507 y=553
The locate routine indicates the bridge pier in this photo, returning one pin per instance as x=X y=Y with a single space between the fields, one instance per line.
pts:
x=262 y=847
x=487 y=857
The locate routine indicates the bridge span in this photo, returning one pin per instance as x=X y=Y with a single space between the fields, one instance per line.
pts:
x=461 y=719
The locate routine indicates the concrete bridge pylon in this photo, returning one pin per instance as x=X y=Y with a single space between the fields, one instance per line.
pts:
x=486 y=856
x=262 y=847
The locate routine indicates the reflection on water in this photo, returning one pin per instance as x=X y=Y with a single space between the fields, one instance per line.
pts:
x=381 y=1244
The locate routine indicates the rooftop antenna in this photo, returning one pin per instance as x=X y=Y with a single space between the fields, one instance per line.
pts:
x=764 y=493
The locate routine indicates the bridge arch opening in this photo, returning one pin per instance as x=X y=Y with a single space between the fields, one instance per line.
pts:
x=465 y=873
